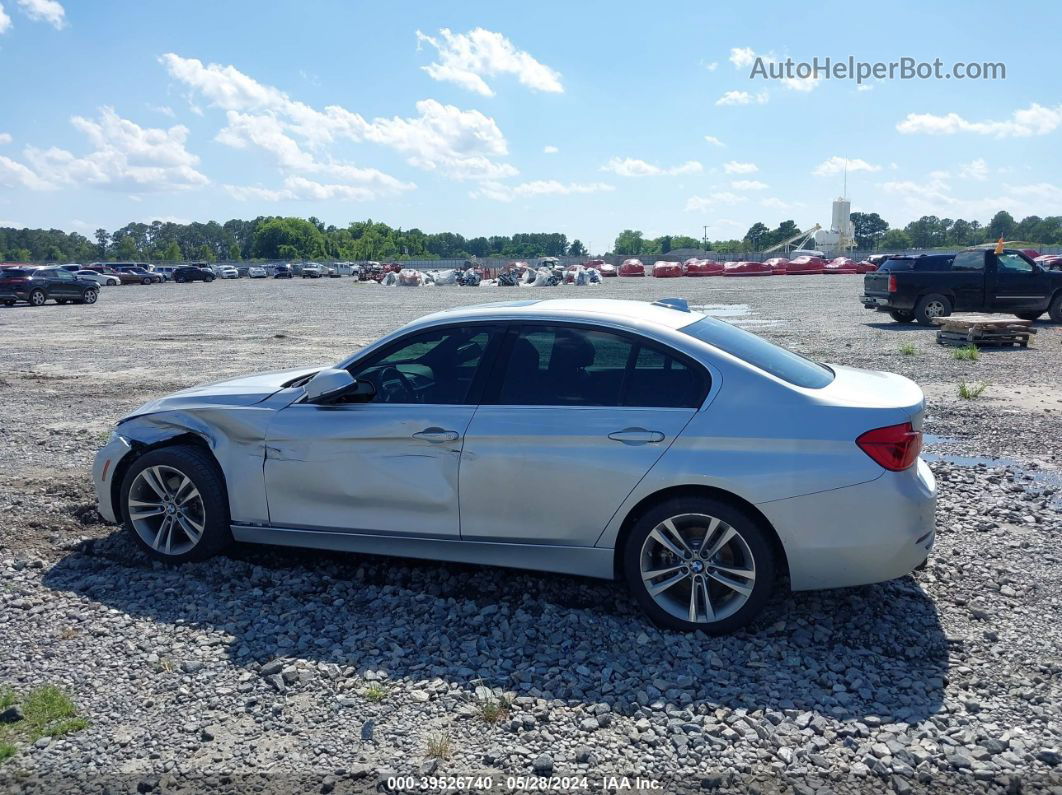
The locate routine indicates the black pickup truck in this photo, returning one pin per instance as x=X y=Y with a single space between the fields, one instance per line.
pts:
x=975 y=280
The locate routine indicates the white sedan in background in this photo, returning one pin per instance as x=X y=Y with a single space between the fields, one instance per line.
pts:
x=102 y=279
x=257 y=272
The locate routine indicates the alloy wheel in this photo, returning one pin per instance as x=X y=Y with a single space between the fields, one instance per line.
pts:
x=90 y=296
x=935 y=309
x=697 y=567
x=37 y=298
x=166 y=510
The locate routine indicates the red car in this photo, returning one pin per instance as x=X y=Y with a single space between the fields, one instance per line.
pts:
x=747 y=269
x=607 y=269
x=703 y=267
x=1052 y=262
x=778 y=265
x=840 y=265
x=662 y=269
x=632 y=267
x=863 y=266
x=805 y=265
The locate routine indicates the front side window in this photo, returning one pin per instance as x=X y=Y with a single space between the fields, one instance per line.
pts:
x=430 y=367
x=1013 y=263
x=572 y=366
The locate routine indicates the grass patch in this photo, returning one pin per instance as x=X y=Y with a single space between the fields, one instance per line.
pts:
x=909 y=349
x=440 y=746
x=375 y=692
x=971 y=391
x=46 y=712
x=967 y=353
x=494 y=710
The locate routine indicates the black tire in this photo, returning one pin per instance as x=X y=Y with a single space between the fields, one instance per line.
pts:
x=60 y=301
x=203 y=472
x=1054 y=311
x=37 y=297
x=931 y=306
x=9 y=302
x=178 y=279
x=1028 y=315
x=901 y=315
x=145 y=280
x=209 y=279
x=756 y=544
x=89 y=296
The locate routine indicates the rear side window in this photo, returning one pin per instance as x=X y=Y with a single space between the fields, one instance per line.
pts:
x=969 y=261
x=13 y=272
x=573 y=366
x=760 y=353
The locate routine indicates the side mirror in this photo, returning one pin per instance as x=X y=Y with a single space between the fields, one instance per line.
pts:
x=330 y=385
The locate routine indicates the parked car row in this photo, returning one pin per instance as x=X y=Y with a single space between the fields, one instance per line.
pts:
x=776 y=266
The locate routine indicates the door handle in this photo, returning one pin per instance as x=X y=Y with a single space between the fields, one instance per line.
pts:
x=437 y=435
x=636 y=436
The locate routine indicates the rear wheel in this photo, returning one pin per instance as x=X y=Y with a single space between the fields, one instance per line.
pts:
x=37 y=298
x=930 y=307
x=901 y=315
x=1055 y=310
x=174 y=505
x=145 y=280
x=1028 y=315
x=697 y=563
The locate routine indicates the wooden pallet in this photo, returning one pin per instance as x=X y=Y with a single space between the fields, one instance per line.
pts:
x=984 y=331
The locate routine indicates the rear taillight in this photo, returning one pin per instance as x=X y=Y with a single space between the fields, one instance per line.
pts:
x=892 y=283
x=895 y=447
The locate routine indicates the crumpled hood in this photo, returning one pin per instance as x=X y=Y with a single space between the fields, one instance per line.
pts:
x=244 y=391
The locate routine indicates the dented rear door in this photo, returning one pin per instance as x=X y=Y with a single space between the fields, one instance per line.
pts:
x=379 y=468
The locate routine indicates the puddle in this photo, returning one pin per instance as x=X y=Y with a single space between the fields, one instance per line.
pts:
x=1045 y=478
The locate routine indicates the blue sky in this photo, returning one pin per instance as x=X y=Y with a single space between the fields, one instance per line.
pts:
x=585 y=118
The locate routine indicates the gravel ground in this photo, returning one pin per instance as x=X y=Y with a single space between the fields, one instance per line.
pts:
x=280 y=670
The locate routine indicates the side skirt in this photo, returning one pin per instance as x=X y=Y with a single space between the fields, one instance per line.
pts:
x=581 y=561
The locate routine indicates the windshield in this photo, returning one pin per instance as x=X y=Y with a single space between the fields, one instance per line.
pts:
x=760 y=353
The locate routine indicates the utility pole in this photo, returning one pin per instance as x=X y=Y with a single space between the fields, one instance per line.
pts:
x=706 y=237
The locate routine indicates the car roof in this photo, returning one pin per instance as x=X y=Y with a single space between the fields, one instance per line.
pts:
x=634 y=313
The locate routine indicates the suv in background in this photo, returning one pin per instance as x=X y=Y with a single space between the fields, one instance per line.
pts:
x=36 y=286
x=283 y=272
x=311 y=270
x=190 y=273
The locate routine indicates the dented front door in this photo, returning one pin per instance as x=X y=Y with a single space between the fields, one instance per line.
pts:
x=381 y=468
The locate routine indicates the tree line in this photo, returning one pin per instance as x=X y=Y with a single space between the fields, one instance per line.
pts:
x=274 y=237
x=270 y=237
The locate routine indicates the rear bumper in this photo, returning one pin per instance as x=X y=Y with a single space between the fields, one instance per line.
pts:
x=875 y=302
x=103 y=468
x=858 y=535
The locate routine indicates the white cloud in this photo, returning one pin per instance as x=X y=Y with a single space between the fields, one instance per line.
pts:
x=713 y=140
x=48 y=11
x=165 y=110
x=5 y=138
x=632 y=167
x=301 y=188
x=975 y=169
x=734 y=167
x=125 y=156
x=774 y=203
x=463 y=144
x=745 y=56
x=742 y=98
x=5 y=20
x=748 y=184
x=550 y=150
x=699 y=203
x=1033 y=120
x=836 y=165
x=466 y=58
x=507 y=193
x=865 y=87
x=711 y=67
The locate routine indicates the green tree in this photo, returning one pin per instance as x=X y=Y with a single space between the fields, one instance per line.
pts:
x=1001 y=225
x=756 y=235
x=629 y=241
x=294 y=234
x=126 y=249
x=102 y=238
x=206 y=253
x=172 y=252
x=895 y=240
x=234 y=252
x=868 y=229
x=685 y=241
x=577 y=249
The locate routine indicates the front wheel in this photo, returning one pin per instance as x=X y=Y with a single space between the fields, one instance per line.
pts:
x=901 y=316
x=37 y=298
x=145 y=281
x=698 y=563
x=89 y=297
x=174 y=505
x=930 y=307
x=1055 y=310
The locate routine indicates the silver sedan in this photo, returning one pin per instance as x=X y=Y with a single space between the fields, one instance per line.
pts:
x=645 y=442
